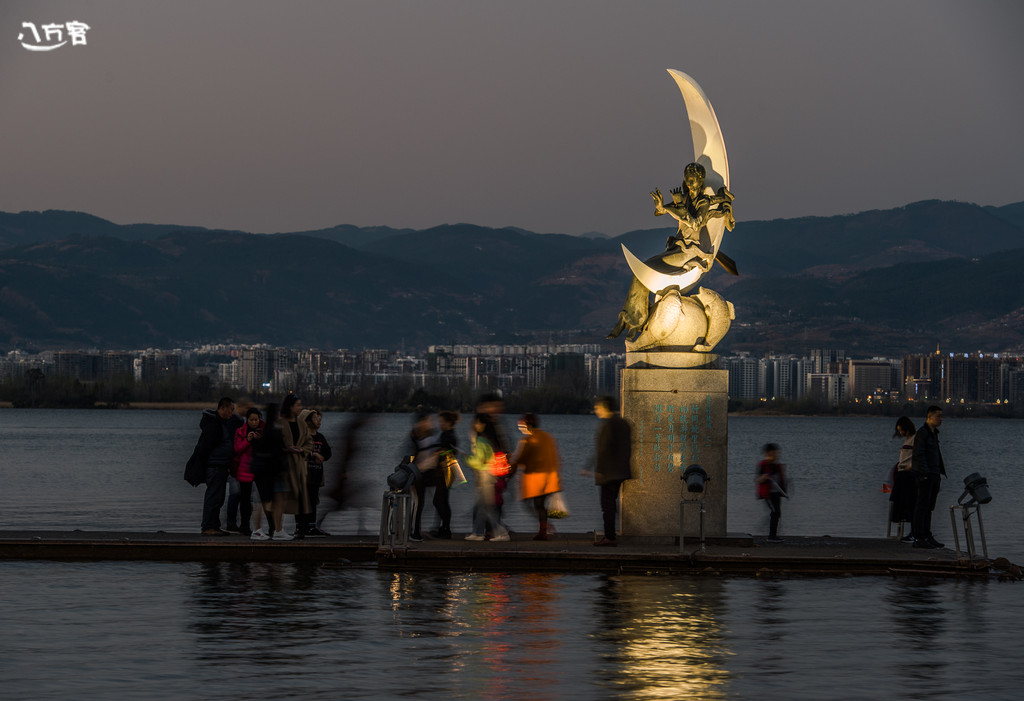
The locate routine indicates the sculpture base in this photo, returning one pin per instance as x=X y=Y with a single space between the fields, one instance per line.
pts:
x=679 y=417
x=667 y=358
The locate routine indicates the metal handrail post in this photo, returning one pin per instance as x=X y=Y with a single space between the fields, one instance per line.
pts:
x=952 y=520
x=966 y=513
x=968 y=531
x=981 y=532
x=384 y=532
x=682 y=523
x=395 y=518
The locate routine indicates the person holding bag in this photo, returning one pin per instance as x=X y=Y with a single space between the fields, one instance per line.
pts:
x=448 y=473
x=482 y=459
x=423 y=452
x=537 y=455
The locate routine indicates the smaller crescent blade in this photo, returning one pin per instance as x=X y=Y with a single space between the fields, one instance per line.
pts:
x=657 y=281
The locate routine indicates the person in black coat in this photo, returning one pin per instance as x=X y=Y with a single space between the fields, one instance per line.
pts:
x=307 y=524
x=215 y=451
x=928 y=467
x=422 y=449
x=267 y=466
x=447 y=444
x=613 y=462
x=771 y=486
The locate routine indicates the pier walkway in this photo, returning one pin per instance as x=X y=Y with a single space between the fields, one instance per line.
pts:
x=565 y=552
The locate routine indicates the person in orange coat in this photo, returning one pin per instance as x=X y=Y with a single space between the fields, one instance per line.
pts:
x=537 y=455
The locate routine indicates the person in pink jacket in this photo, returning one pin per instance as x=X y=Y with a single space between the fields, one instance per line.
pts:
x=241 y=468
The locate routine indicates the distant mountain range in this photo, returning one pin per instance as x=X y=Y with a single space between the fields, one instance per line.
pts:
x=893 y=281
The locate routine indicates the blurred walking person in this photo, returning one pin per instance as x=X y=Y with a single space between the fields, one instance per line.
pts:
x=422 y=451
x=447 y=447
x=537 y=455
x=771 y=486
x=481 y=459
x=345 y=488
x=493 y=404
x=267 y=469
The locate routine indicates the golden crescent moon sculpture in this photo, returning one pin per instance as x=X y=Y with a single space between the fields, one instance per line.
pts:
x=702 y=207
x=709 y=152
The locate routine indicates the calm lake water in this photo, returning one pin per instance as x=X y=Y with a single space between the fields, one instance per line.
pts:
x=189 y=630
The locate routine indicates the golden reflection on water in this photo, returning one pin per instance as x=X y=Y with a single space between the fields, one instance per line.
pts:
x=669 y=634
x=656 y=637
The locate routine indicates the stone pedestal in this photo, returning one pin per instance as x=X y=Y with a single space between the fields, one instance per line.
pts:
x=679 y=417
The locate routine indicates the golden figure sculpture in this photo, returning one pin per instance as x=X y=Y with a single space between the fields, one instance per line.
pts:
x=690 y=248
x=693 y=210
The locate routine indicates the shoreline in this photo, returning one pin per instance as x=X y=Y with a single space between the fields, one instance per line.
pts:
x=199 y=406
x=735 y=554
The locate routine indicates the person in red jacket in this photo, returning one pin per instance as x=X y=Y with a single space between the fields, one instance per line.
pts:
x=241 y=468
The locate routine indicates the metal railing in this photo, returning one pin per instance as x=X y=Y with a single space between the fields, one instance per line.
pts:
x=395 y=519
x=966 y=512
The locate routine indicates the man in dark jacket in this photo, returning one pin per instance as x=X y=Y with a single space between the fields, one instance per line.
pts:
x=215 y=452
x=613 y=461
x=929 y=469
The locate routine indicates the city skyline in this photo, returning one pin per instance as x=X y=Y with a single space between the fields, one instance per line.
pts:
x=828 y=375
x=272 y=117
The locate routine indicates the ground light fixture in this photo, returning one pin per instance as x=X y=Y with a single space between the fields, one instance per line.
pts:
x=406 y=476
x=695 y=478
x=975 y=493
x=976 y=487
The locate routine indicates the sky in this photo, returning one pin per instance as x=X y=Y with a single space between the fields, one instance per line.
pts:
x=556 y=116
